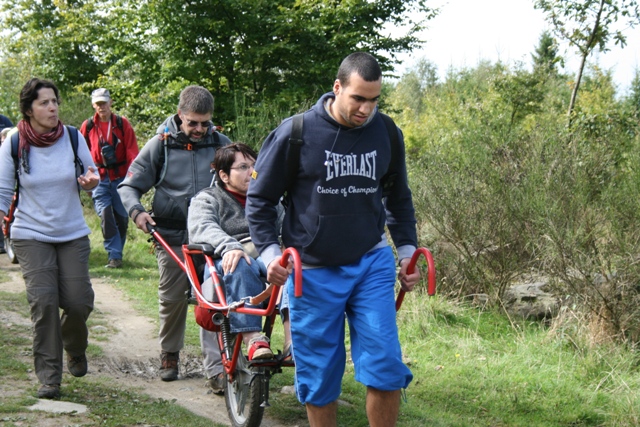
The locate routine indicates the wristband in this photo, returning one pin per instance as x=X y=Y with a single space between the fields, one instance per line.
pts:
x=136 y=215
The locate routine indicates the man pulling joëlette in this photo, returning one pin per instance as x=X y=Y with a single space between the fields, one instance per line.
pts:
x=177 y=163
x=336 y=218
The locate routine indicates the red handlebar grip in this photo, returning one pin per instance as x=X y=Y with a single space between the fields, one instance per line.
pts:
x=431 y=273
x=297 y=268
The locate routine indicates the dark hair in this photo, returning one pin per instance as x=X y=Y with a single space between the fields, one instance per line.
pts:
x=195 y=99
x=226 y=156
x=362 y=63
x=29 y=93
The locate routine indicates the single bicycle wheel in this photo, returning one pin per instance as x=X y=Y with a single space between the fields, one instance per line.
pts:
x=11 y=253
x=243 y=396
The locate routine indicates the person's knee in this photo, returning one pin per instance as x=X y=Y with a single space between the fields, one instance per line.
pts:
x=78 y=311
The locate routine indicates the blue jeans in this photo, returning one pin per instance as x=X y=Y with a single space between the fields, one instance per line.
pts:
x=245 y=281
x=113 y=216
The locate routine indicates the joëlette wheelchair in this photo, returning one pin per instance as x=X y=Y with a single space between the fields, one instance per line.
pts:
x=247 y=382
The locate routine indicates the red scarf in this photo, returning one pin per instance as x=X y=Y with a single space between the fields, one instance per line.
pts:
x=241 y=198
x=29 y=137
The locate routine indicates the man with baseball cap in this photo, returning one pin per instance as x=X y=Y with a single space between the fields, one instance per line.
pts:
x=113 y=146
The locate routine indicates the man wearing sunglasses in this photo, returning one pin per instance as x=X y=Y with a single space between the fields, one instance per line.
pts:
x=177 y=163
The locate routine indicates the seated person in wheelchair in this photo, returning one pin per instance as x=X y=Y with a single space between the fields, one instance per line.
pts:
x=217 y=217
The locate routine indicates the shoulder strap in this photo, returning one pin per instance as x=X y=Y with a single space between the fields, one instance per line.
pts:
x=90 y=124
x=165 y=145
x=73 y=136
x=388 y=180
x=296 y=141
x=15 y=144
x=295 y=144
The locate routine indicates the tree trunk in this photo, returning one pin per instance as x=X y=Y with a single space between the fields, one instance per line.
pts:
x=585 y=53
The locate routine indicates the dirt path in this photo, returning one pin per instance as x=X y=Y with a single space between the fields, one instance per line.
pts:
x=131 y=353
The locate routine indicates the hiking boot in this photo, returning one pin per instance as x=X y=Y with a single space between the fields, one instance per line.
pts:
x=169 y=368
x=77 y=365
x=49 y=391
x=114 y=263
x=216 y=384
x=259 y=348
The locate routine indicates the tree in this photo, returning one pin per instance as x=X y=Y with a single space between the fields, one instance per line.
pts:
x=633 y=99
x=587 y=24
x=284 y=52
x=545 y=57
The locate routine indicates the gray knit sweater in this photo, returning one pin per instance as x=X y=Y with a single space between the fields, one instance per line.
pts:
x=49 y=209
x=217 y=218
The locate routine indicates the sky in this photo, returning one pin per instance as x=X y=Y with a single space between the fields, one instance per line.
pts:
x=467 y=31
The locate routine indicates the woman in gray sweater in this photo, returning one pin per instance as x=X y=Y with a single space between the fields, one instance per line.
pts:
x=49 y=233
x=217 y=217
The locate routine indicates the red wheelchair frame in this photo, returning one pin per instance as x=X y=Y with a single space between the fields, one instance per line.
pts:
x=6 y=230
x=247 y=382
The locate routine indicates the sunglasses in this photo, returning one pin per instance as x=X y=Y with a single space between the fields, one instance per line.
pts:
x=194 y=124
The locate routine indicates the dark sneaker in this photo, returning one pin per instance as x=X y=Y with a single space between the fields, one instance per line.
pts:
x=49 y=391
x=216 y=384
x=114 y=263
x=259 y=348
x=169 y=368
x=77 y=365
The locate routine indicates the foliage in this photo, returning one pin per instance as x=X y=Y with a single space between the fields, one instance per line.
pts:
x=633 y=100
x=545 y=58
x=504 y=190
x=281 y=52
x=588 y=24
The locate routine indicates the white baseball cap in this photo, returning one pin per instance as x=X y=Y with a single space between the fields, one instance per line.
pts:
x=100 y=95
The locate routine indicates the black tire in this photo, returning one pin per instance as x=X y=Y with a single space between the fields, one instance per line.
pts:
x=243 y=396
x=11 y=253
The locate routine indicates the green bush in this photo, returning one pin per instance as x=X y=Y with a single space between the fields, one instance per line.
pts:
x=504 y=189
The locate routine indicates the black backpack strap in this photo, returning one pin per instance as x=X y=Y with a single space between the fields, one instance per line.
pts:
x=15 y=144
x=90 y=125
x=295 y=144
x=389 y=179
x=73 y=136
x=166 y=144
x=114 y=138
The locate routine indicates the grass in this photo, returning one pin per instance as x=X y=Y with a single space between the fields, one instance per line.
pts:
x=471 y=367
x=109 y=404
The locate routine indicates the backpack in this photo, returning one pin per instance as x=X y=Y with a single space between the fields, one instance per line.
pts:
x=73 y=136
x=114 y=138
x=295 y=143
x=91 y=124
x=170 y=143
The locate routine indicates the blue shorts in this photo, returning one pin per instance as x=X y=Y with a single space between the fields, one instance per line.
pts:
x=364 y=292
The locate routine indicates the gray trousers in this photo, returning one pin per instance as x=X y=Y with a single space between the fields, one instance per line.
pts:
x=172 y=293
x=56 y=276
